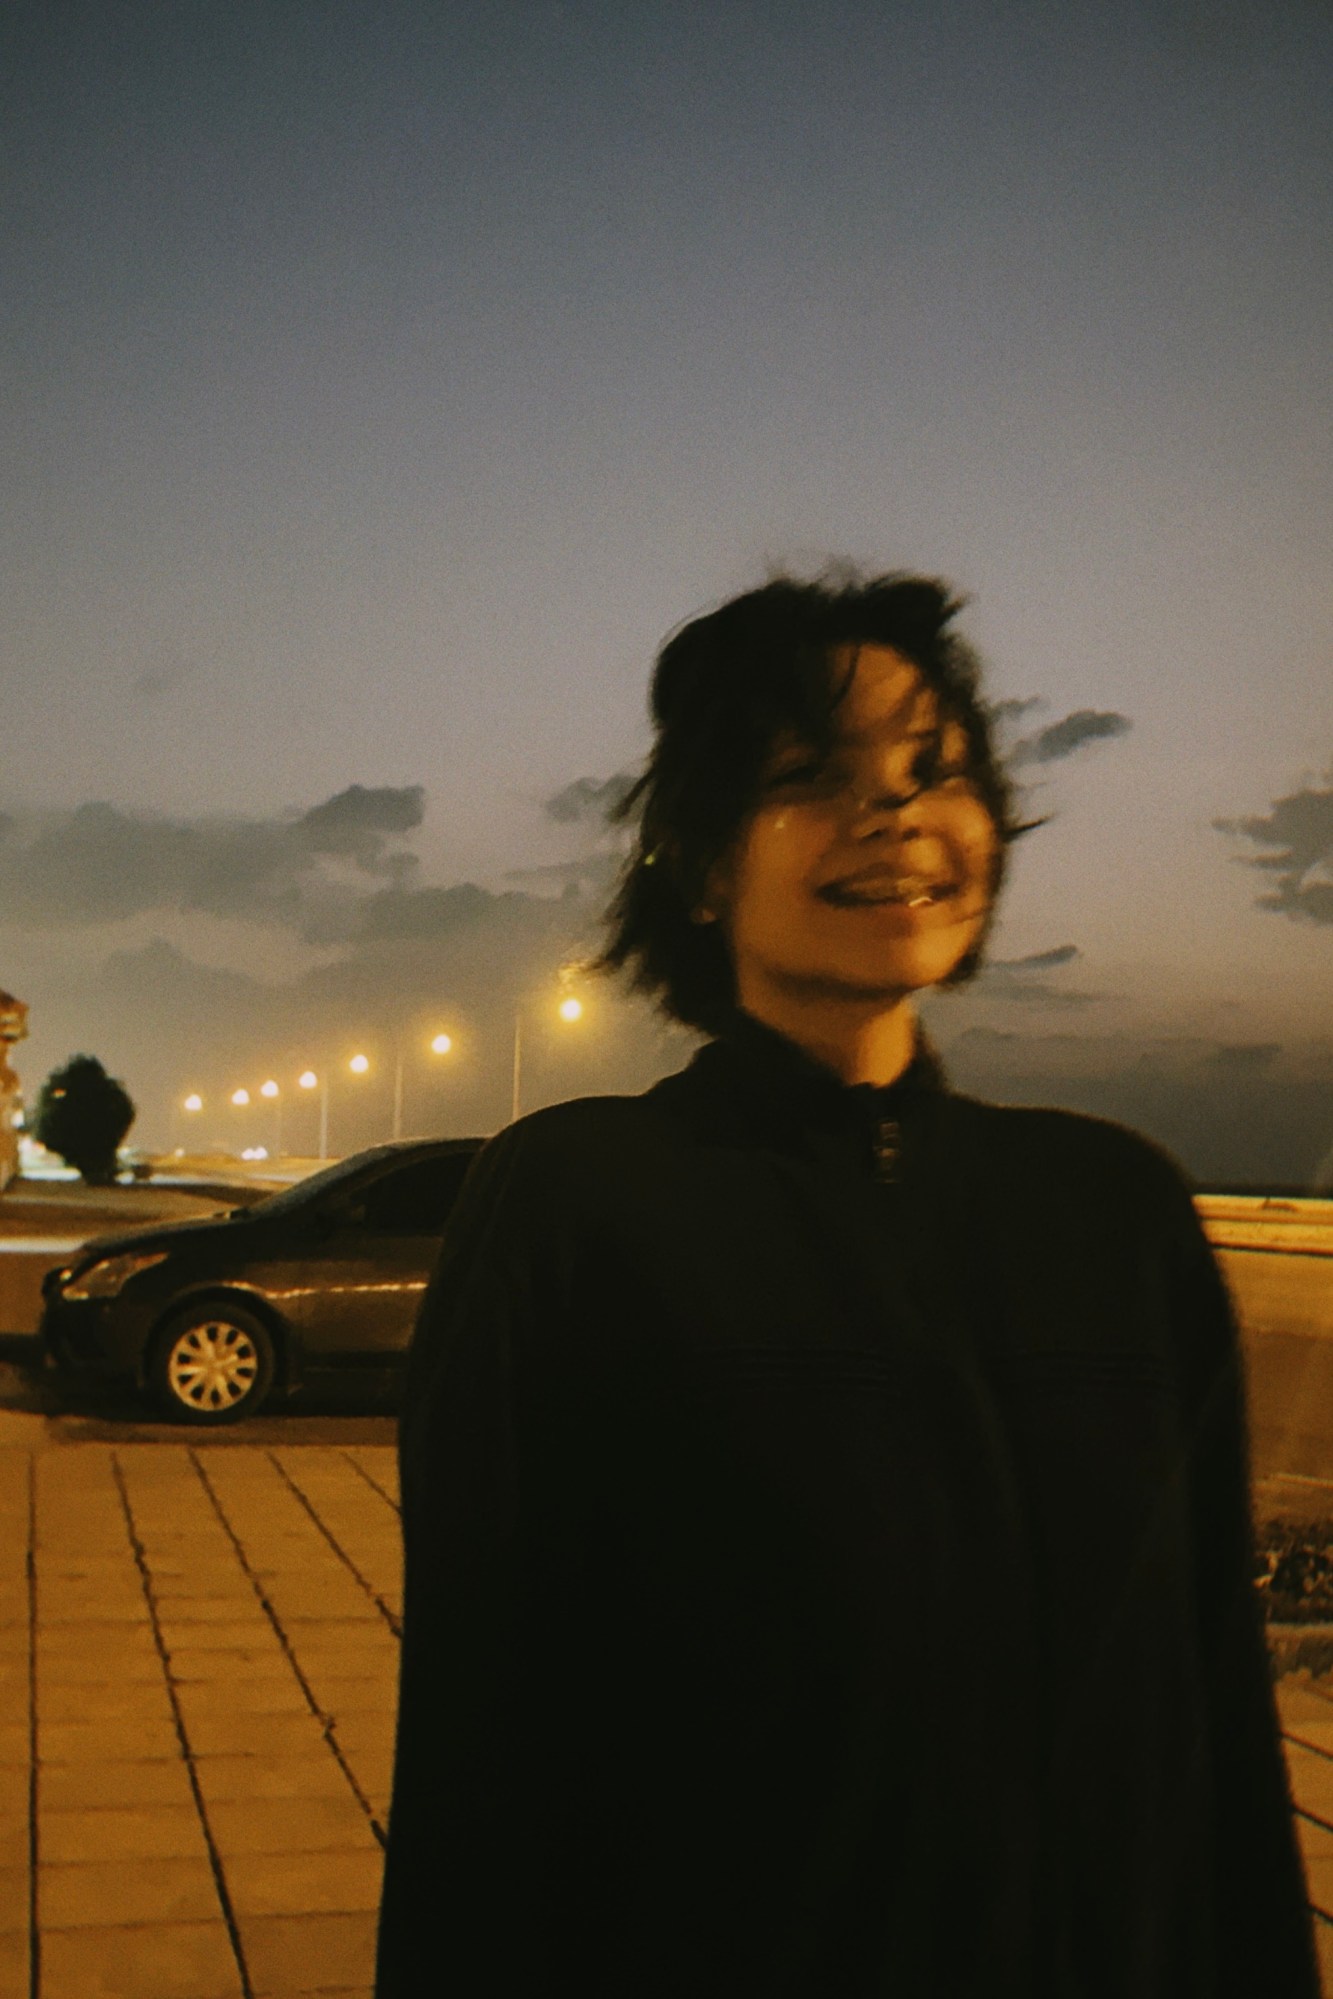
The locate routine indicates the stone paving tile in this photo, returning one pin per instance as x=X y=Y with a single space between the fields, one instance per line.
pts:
x=237 y=1778
x=135 y=1700
x=371 y=1732
x=162 y=1961
x=15 y=1744
x=1323 y=1938
x=14 y=1882
x=111 y=1892
x=309 y=1953
x=92 y=1669
x=290 y=1825
x=1299 y=1699
x=1311 y=1778
x=122 y=1832
x=325 y=1635
x=15 y=1840
x=88 y=1741
x=332 y=1882
x=15 y=1971
x=1313 y=1734
x=242 y=1634
x=223 y=1665
x=110 y=1641
x=180 y=1613
x=114 y=1782
x=231 y=1734
x=362 y=1696
x=201 y=1700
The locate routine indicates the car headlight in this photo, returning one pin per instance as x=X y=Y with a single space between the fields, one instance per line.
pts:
x=105 y=1279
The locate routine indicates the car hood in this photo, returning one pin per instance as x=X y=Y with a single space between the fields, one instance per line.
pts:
x=153 y=1235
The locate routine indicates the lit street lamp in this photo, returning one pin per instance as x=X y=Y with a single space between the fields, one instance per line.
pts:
x=274 y=1095
x=439 y=1046
x=569 y=1009
x=309 y=1080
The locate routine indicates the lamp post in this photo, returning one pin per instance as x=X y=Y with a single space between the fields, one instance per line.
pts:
x=274 y=1094
x=308 y=1080
x=569 y=1010
x=441 y=1045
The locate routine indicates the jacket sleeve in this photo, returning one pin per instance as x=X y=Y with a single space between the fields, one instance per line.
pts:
x=458 y=1906
x=1265 y=1930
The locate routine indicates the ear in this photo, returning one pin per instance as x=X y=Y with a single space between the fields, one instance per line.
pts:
x=715 y=901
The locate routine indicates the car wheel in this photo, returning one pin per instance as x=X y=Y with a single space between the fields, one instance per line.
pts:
x=213 y=1364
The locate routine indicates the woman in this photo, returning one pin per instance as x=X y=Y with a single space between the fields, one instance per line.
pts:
x=825 y=1495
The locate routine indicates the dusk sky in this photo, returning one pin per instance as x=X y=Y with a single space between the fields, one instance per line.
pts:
x=383 y=382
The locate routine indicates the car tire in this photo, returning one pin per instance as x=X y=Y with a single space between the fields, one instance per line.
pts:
x=213 y=1363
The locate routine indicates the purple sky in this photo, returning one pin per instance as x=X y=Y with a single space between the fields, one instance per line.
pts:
x=384 y=381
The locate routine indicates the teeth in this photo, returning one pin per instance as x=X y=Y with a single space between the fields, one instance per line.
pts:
x=915 y=894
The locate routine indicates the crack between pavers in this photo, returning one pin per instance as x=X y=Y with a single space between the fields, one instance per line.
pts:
x=214 y=1855
x=390 y=1618
x=373 y=1483
x=34 y=1936
x=326 y=1721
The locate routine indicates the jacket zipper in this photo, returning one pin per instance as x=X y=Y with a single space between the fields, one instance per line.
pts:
x=888 y=1136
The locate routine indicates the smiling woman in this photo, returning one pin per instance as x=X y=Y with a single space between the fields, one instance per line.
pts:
x=825 y=1495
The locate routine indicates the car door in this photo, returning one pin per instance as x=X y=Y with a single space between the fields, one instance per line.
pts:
x=371 y=1259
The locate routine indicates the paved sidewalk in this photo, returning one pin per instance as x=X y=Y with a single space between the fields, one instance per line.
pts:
x=195 y=1755
x=198 y=1669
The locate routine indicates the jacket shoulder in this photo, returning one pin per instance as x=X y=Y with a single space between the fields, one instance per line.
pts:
x=1065 y=1149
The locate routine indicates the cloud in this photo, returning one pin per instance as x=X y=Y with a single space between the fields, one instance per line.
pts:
x=100 y=864
x=1231 y=1118
x=1016 y=979
x=1005 y=712
x=589 y=799
x=1299 y=830
x=1061 y=739
x=1244 y=1057
x=1039 y=961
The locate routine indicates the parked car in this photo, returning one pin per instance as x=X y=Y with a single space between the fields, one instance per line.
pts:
x=211 y=1318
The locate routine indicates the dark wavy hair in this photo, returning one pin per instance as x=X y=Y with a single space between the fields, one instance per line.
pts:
x=725 y=687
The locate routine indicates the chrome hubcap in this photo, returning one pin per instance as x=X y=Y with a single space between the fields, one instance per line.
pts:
x=212 y=1366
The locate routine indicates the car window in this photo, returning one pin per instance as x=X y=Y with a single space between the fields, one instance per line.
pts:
x=414 y=1199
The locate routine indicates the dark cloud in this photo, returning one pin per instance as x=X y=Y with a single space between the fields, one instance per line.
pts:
x=399 y=914
x=1299 y=831
x=1244 y=1057
x=1039 y=961
x=1003 y=713
x=101 y=864
x=1060 y=739
x=589 y=800
x=1253 y=1121
x=1019 y=979
x=356 y=823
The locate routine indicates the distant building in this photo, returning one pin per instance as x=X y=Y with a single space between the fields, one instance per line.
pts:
x=13 y=1027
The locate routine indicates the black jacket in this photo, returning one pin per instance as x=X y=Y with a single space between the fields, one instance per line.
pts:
x=828 y=1564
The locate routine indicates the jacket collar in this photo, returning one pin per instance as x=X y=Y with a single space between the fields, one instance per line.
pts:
x=788 y=1091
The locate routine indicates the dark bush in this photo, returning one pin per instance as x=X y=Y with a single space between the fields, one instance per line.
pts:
x=82 y=1115
x=1294 y=1571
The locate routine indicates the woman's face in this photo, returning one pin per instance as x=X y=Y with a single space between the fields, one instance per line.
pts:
x=867 y=876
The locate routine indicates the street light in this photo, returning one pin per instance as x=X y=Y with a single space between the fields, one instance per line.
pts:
x=194 y=1102
x=359 y=1065
x=308 y=1080
x=240 y=1098
x=441 y=1045
x=274 y=1095
x=569 y=1009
